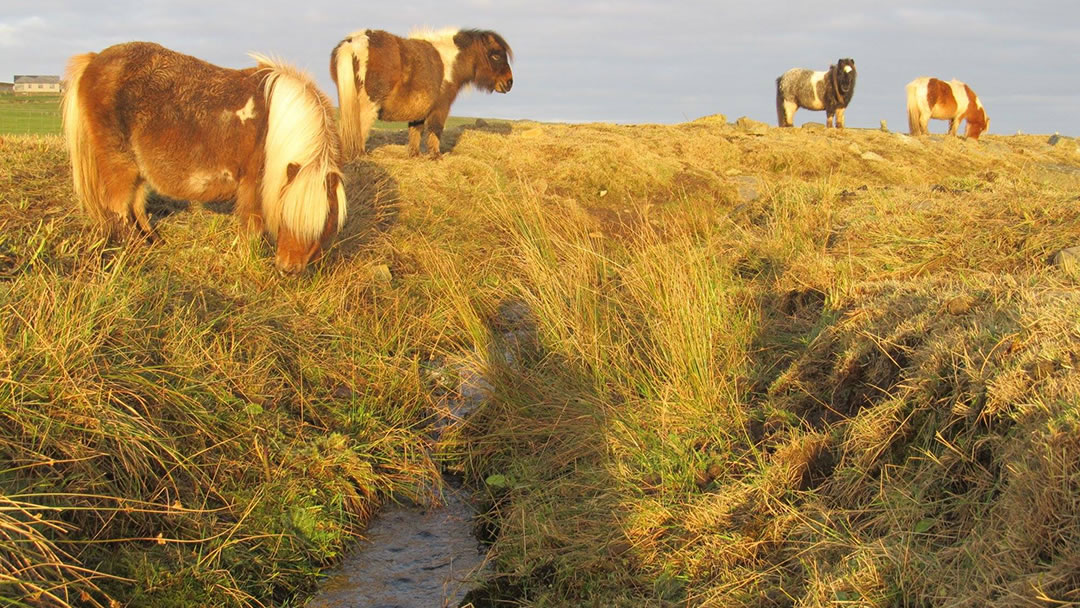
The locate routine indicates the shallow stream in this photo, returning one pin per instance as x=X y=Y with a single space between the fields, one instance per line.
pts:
x=414 y=557
x=411 y=557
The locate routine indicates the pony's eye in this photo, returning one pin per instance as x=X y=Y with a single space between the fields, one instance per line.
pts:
x=495 y=56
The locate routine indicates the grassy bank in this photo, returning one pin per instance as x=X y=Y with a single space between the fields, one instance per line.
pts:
x=762 y=370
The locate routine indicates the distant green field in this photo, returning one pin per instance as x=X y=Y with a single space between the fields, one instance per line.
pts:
x=30 y=114
x=41 y=115
x=451 y=122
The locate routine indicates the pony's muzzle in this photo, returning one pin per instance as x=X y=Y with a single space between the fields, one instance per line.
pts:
x=287 y=267
x=504 y=86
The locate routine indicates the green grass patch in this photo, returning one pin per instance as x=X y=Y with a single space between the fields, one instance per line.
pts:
x=29 y=114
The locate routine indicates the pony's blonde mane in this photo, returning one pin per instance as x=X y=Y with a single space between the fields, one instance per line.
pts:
x=300 y=131
x=443 y=41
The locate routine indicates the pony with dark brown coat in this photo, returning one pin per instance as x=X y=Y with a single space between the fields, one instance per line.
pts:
x=414 y=79
x=953 y=101
x=830 y=90
x=140 y=117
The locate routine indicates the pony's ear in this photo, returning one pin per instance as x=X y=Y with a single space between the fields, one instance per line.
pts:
x=463 y=38
x=332 y=181
x=290 y=172
x=494 y=39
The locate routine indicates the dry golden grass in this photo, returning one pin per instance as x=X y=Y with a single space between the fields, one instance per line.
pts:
x=857 y=388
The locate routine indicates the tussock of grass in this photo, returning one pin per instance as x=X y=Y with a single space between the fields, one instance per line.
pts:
x=857 y=388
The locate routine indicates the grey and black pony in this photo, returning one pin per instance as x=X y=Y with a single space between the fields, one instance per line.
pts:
x=830 y=91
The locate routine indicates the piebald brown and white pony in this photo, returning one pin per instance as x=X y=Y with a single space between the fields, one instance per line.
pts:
x=953 y=101
x=140 y=117
x=831 y=91
x=415 y=79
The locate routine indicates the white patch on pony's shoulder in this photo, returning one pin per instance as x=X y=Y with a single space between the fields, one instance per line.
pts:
x=443 y=41
x=959 y=92
x=816 y=80
x=247 y=112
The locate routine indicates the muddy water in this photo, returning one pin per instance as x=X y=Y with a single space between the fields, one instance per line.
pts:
x=414 y=556
x=411 y=558
x=430 y=558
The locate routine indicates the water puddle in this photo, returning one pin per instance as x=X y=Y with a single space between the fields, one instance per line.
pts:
x=411 y=557
x=415 y=557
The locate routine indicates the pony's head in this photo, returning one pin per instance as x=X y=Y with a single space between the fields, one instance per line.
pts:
x=303 y=197
x=977 y=120
x=492 y=56
x=977 y=123
x=294 y=252
x=845 y=74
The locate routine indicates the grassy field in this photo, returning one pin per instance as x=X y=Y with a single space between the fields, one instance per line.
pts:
x=29 y=114
x=40 y=115
x=785 y=368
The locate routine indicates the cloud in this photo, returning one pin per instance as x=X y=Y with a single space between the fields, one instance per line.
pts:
x=12 y=34
x=628 y=60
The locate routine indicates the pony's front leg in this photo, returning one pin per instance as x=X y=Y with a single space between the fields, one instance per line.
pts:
x=839 y=118
x=434 y=124
x=247 y=210
x=414 y=137
x=829 y=119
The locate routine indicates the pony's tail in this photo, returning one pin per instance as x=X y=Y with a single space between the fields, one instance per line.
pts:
x=914 y=114
x=781 y=115
x=301 y=149
x=84 y=169
x=350 y=52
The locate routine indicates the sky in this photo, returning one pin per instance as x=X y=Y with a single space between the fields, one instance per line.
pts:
x=626 y=61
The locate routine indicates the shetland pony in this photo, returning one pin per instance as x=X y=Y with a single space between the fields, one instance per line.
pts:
x=953 y=101
x=140 y=117
x=831 y=91
x=415 y=79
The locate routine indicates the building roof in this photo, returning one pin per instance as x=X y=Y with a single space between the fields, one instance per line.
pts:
x=34 y=79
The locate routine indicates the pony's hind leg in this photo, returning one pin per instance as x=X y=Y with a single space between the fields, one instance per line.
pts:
x=123 y=196
x=367 y=119
x=954 y=124
x=415 y=129
x=787 y=109
x=138 y=209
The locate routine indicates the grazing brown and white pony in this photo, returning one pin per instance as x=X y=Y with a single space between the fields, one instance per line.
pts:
x=830 y=90
x=414 y=79
x=140 y=117
x=953 y=101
